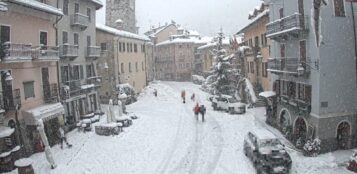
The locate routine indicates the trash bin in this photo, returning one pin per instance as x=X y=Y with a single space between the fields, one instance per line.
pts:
x=24 y=166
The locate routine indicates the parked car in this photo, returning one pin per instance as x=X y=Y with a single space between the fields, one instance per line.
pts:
x=227 y=103
x=266 y=152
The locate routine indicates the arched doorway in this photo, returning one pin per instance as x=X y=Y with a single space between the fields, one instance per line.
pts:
x=300 y=130
x=285 y=122
x=343 y=135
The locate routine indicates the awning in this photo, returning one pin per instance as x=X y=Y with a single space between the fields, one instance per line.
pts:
x=44 y=112
x=267 y=94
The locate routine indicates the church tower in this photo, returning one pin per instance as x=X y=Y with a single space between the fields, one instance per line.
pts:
x=121 y=14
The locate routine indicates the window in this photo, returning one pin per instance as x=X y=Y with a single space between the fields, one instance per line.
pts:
x=103 y=46
x=282 y=54
x=129 y=66
x=4 y=34
x=131 y=47
x=81 y=71
x=339 y=8
x=88 y=41
x=135 y=48
x=64 y=37
x=264 y=69
x=65 y=7
x=29 y=89
x=127 y=47
x=281 y=13
x=136 y=67
x=89 y=14
x=256 y=41
x=252 y=67
x=123 y=46
x=248 y=67
x=89 y=71
x=122 y=68
x=119 y=46
x=143 y=48
x=303 y=51
x=75 y=38
x=142 y=66
x=262 y=40
x=76 y=72
x=64 y=73
x=76 y=8
x=43 y=38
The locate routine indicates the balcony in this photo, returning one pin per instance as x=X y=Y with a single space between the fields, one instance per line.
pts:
x=12 y=98
x=68 y=51
x=79 y=20
x=46 y=53
x=11 y=52
x=286 y=66
x=300 y=107
x=73 y=87
x=95 y=80
x=50 y=93
x=292 y=25
x=93 y=52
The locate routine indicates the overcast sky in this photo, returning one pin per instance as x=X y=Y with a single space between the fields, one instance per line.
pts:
x=205 y=16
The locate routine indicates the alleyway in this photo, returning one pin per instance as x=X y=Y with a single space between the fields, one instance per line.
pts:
x=167 y=139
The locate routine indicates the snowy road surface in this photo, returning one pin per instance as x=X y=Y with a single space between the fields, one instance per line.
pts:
x=168 y=139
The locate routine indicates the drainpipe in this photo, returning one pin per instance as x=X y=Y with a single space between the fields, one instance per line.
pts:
x=57 y=44
x=354 y=33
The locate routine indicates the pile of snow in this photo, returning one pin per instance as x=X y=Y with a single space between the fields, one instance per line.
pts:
x=250 y=90
x=6 y=131
x=312 y=147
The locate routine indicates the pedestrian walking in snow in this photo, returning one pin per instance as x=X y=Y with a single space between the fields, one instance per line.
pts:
x=193 y=97
x=183 y=96
x=203 y=111
x=63 y=138
x=155 y=92
x=196 y=110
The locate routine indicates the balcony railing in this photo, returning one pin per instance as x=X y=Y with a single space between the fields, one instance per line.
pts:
x=292 y=24
x=96 y=80
x=46 y=53
x=74 y=87
x=286 y=65
x=93 y=52
x=70 y=51
x=11 y=101
x=50 y=92
x=303 y=107
x=14 y=52
x=79 y=20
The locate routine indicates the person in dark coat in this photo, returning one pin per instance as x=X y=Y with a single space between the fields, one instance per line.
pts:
x=203 y=112
x=183 y=96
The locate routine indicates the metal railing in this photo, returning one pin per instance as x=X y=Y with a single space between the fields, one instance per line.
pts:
x=96 y=80
x=78 y=19
x=46 y=52
x=74 y=87
x=289 y=23
x=286 y=65
x=18 y=51
x=93 y=51
x=68 y=50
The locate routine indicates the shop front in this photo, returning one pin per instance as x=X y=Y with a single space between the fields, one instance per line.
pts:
x=52 y=117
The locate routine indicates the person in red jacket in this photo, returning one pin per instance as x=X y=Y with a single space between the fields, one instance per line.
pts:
x=196 y=110
x=183 y=96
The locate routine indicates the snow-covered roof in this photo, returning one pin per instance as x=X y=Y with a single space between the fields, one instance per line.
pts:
x=38 y=6
x=194 y=40
x=267 y=94
x=160 y=29
x=43 y=112
x=251 y=22
x=213 y=44
x=6 y=131
x=98 y=3
x=121 y=32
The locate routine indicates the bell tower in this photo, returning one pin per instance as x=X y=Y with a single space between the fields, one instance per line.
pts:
x=120 y=14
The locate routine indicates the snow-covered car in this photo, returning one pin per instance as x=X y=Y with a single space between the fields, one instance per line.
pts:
x=228 y=103
x=266 y=152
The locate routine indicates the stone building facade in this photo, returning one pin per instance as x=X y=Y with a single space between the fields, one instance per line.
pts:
x=121 y=13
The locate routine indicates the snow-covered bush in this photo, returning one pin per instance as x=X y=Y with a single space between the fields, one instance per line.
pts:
x=352 y=163
x=199 y=80
x=312 y=147
x=128 y=91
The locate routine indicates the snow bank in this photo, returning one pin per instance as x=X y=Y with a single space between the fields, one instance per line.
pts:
x=249 y=88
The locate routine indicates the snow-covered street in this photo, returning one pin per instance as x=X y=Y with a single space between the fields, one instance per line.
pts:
x=167 y=139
